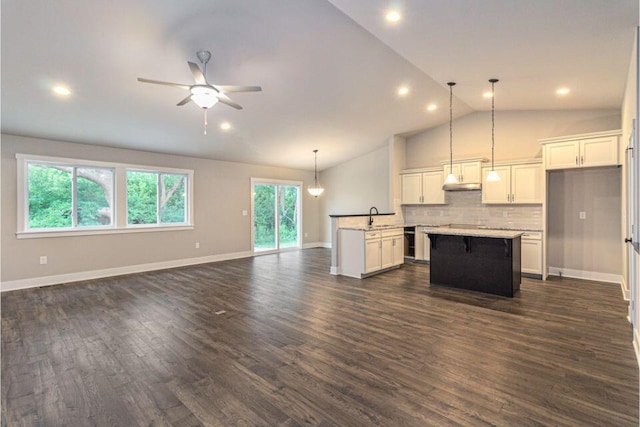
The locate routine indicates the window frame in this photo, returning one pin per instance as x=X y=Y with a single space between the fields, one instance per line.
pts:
x=119 y=221
x=159 y=173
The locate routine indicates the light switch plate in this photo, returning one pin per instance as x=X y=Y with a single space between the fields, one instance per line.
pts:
x=244 y=213
x=583 y=215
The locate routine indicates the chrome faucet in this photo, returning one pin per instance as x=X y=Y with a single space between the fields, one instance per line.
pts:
x=371 y=215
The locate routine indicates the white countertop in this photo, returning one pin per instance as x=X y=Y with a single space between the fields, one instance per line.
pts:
x=373 y=227
x=475 y=232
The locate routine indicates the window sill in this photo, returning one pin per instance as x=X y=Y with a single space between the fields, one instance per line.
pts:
x=95 y=232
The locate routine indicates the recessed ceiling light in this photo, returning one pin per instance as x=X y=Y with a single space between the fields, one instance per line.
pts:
x=432 y=107
x=393 y=16
x=402 y=91
x=225 y=125
x=563 y=91
x=487 y=94
x=61 y=90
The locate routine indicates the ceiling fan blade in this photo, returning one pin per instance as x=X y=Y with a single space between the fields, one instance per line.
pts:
x=233 y=88
x=184 y=101
x=197 y=74
x=226 y=100
x=158 y=82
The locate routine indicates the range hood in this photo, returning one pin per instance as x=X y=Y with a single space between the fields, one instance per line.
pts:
x=462 y=186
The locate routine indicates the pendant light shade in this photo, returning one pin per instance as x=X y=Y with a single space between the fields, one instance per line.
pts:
x=451 y=177
x=493 y=176
x=315 y=189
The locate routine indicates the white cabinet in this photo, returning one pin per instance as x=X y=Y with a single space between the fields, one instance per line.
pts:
x=531 y=253
x=422 y=188
x=423 y=244
x=365 y=252
x=580 y=151
x=465 y=172
x=518 y=184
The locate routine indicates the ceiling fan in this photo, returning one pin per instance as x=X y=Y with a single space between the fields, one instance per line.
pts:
x=203 y=94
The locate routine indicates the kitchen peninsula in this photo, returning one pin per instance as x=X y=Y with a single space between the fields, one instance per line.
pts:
x=476 y=259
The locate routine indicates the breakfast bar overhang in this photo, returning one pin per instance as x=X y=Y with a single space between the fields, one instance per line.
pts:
x=478 y=260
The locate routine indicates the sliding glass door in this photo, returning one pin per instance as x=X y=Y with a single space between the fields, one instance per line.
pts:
x=276 y=215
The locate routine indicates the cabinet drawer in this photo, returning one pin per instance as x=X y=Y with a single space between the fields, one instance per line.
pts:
x=372 y=235
x=394 y=232
x=532 y=235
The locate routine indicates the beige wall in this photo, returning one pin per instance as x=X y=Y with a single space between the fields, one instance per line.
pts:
x=517 y=134
x=592 y=244
x=222 y=191
x=355 y=186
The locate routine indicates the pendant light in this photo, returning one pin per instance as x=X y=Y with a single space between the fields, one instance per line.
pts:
x=493 y=175
x=315 y=189
x=451 y=178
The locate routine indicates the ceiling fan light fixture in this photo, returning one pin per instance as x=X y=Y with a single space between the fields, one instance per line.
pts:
x=203 y=96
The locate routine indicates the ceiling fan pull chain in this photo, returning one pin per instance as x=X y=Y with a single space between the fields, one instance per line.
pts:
x=205 y=121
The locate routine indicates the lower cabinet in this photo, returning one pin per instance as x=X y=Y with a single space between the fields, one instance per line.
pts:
x=531 y=253
x=365 y=252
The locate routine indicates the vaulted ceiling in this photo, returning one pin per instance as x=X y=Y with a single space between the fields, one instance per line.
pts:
x=330 y=70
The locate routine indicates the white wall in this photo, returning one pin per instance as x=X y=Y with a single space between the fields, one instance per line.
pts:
x=355 y=186
x=517 y=134
x=222 y=192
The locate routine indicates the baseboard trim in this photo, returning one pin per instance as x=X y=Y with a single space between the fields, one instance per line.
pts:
x=636 y=345
x=316 y=245
x=587 y=275
x=35 y=282
x=626 y=294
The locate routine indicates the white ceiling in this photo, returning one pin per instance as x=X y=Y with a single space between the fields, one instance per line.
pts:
x=329 y=78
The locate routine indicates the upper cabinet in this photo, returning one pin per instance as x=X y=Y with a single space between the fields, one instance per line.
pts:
x=465 y=172
x=422 y=188
x=580 y=151
x=518 y=184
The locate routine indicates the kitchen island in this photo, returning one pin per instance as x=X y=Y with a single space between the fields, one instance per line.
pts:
x=475 y=259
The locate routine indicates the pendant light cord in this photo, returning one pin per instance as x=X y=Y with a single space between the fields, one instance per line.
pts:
x=493 y=120
x=451 y=85
x=315 y=168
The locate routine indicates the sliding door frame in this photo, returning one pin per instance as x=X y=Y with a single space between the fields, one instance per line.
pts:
x=276 y=182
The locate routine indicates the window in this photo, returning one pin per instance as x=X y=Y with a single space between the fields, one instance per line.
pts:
x=61 y=196
x=156 y=198
x=69 y=197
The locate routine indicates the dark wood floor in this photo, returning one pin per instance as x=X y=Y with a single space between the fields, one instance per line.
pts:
x=298 y=346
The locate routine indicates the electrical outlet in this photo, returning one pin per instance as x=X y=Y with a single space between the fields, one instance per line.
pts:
x=197 y=245
x=43 y=260
x=306 y=234
x=505 y=214
x=245 y=213
x=583 y=215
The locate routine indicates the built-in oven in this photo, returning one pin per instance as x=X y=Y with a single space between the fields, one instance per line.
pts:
x=410 y=243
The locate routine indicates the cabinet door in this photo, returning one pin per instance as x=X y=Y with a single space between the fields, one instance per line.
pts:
x=497 y=192
x=562 y=155
x=412 y=189
x=432 y=192
x=372 y=255
x=398 y=250
x=386 y=252
x=531 y=256
x=470 y=172
x=526 y=183
x=599 y=151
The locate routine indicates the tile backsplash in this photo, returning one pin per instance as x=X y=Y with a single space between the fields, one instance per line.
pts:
x=465 y=207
